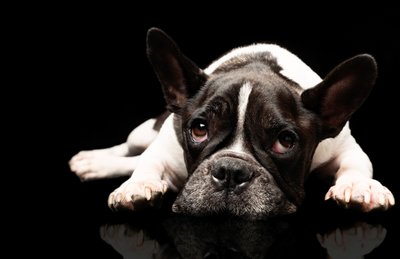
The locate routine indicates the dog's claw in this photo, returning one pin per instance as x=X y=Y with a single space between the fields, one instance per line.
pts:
x=147 y=192
x=328 y=195
x=165 y=188
x=367 y=198
x=118 y=198
x=382 y=199
x=347 y=195
x=391 y=200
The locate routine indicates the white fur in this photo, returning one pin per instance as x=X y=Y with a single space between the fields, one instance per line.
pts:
x=164 y=157
x=292 y=66
x=243 y=100
x=141 y=137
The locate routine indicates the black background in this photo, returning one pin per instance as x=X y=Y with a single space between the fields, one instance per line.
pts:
x=97 y=85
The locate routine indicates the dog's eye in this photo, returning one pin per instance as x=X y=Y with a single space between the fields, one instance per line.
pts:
x=286 y=140
x=199 y=131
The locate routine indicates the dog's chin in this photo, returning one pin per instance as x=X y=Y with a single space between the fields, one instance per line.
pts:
x=260 y=198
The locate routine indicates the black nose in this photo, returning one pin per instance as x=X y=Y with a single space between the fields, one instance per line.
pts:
x=231 y=173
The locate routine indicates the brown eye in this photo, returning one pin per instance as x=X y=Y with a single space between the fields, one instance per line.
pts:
x=199 y=131
x=285 y=141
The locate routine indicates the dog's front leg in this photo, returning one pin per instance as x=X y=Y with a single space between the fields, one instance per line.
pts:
x=354 y=186
x=160 y=167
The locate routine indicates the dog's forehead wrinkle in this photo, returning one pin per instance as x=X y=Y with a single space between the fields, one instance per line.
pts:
x=272 y=100
x=217 y=102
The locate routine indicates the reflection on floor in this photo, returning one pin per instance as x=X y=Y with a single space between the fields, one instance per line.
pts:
x=352 y=242
x=186 y=237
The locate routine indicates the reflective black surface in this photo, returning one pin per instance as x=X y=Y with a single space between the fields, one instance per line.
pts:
x=228 y=238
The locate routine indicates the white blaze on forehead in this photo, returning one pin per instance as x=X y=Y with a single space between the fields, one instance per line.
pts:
x=292 y=67
x=243 y=100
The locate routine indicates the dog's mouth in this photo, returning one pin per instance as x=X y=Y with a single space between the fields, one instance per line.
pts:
x=232 y=183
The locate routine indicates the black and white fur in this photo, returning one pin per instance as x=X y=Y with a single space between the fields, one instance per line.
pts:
x=243 y=135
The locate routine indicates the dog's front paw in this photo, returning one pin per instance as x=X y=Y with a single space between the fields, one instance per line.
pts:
x=136 y=194
x=362 y=192
x=353 y=242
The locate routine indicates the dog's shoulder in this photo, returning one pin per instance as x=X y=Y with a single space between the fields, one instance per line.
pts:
x=277 y=58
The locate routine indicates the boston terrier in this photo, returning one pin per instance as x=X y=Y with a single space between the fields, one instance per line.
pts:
x=241 y=136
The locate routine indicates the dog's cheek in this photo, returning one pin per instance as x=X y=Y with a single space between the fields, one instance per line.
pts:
x=263 y=199
x=276 y=196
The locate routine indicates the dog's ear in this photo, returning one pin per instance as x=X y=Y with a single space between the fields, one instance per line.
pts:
x=179 y=76
x=341 y=93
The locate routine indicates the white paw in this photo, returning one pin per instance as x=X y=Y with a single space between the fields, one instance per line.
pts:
x=135 y=194
x=128 y=242
x=98 y=164
x=362 y=192
x=353 y=242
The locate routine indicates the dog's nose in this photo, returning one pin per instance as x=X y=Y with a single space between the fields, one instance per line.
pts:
x=231 y=173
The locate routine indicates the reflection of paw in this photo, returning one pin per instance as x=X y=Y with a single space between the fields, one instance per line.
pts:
x=136 y=194
x=128 y=242
x=353 y=242
x=356 y=191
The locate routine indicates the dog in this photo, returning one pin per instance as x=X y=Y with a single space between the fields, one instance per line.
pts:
x=242 y=136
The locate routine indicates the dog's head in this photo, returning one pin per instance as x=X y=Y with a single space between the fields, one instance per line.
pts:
x=248 y=132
